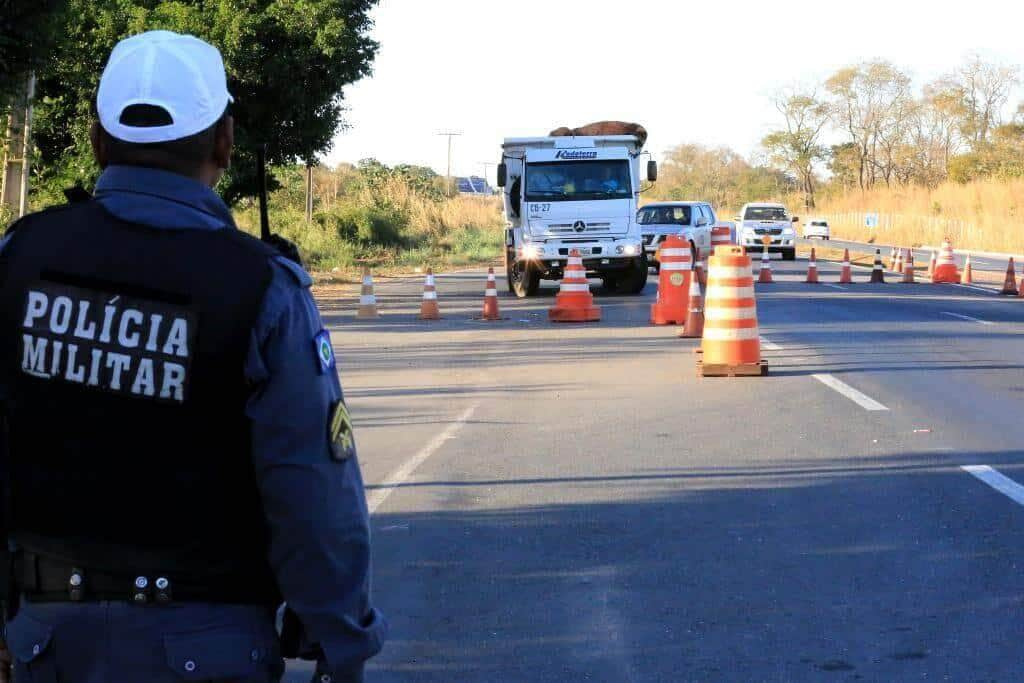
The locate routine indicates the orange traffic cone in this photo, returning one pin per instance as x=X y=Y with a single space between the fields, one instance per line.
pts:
x=1020 y=291
x=812 y=270
x=367 y=299
x=731 y=344
x=899 y=261
x=699 y=272
x=429 y=309
x=892 y=259
x=764 y=276
x=846 y=274
x=694 y=327
x=574 y=302
x=908 y=268
x=491 y=298
x=966 y=277
x=673 y=283
x=1010 y=284
x=945 y=266
x=720 y=236
x=877 y=274
x=931 y=266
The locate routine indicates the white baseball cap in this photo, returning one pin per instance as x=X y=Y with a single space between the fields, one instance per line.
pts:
x=179 y=73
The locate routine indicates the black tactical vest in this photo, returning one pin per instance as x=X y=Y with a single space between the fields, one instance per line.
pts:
x=129 y=448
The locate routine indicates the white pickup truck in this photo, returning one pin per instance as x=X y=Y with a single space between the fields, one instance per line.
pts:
x=761 y=219
x=573 y=192
x=690 y=220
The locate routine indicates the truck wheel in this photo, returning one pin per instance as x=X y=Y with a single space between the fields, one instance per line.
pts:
x=610 y=284
x=633 y=280
x=789 y=254
x=523 y=279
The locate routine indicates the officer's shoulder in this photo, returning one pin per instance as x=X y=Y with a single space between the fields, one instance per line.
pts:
x=42 y=216
x=269 y=252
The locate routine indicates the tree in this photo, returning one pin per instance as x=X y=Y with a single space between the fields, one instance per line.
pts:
x=984 y=89
x=796 y=148
x=287 y=62
x=29 y=29
x=869 y=103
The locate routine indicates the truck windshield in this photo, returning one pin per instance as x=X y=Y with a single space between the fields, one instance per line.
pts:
x=566 y=181
x=664 y=215
x=765 y=213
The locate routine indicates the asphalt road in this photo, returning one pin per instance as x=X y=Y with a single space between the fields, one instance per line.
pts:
x=988 y=270
x=571 y=503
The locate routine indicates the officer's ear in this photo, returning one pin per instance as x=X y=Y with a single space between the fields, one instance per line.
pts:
x=224 y=142
x=99 y=149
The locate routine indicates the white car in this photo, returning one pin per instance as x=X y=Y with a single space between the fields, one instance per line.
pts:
x=816 y=227
x=690 y=220
x=762 y=219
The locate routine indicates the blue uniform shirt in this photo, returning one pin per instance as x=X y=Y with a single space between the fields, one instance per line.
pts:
x=315 y=505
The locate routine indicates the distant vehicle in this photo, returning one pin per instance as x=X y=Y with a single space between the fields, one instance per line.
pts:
x=692 y=220
x=761 y=219
x=566 y=192
x=816 y=227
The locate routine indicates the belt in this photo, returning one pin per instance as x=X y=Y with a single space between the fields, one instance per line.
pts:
x=45 y=579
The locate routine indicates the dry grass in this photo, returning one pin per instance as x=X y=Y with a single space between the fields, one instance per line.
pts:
x=986 y=215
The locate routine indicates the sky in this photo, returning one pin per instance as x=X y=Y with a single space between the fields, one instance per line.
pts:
x=688 y=71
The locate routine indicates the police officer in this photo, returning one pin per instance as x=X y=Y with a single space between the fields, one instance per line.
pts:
x=179 y=455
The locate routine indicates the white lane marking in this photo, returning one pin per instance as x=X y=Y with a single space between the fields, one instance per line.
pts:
x=1000 y=482
x=968 y=318
x=980 y=289
x=378 y=496
x=769 y=346
x=863 y=400
x=841 y=289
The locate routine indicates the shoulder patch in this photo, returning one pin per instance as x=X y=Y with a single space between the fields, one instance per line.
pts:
x=340 y=433
x=296 y=271
x=324 y=351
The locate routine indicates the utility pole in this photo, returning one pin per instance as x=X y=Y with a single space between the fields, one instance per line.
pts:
x=450 y=134
x=486 y=165
x=14 y=176
x=309 y=192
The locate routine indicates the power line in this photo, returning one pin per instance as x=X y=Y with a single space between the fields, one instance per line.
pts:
x=450 y=134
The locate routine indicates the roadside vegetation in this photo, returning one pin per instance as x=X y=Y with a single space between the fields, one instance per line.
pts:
x=372 y=214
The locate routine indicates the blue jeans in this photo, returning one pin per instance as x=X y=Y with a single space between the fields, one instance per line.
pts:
x=100 y=642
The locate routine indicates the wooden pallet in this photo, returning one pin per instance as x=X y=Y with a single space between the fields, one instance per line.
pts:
x=721 y=370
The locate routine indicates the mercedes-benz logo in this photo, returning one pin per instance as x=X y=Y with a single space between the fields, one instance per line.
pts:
x=579 y=226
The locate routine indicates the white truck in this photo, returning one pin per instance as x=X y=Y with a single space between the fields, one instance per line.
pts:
x=573 y=192
x=764 y=219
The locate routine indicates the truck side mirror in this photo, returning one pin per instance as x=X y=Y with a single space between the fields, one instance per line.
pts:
x=652 y=171
x=502 y=174
x=796 y=219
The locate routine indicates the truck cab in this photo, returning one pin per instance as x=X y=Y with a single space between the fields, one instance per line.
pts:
x=568 y=193
x=690 y=220
x=763 y=219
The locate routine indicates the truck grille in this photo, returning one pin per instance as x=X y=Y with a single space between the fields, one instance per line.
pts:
x=767 y=231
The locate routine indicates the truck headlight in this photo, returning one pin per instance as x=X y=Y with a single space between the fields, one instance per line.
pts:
x=630 y=250
x=532 y=251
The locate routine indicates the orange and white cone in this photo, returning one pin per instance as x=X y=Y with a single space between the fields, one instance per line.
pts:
x=967 y=277
x=721 y=236
x=945 y=267
x=574 y=303
x=908 y=268
x=367 y=299
x=428 y=308
x=846 y=274
x=694 y=326
x=931 y=266
x=731 y=343
x=892 y=259
x=1010 y=284
x=877 y=273
x=491 y=298
x=899 y=261
x=764 y=276
x=699 y=272
x=812 y=270
x=673 y=283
